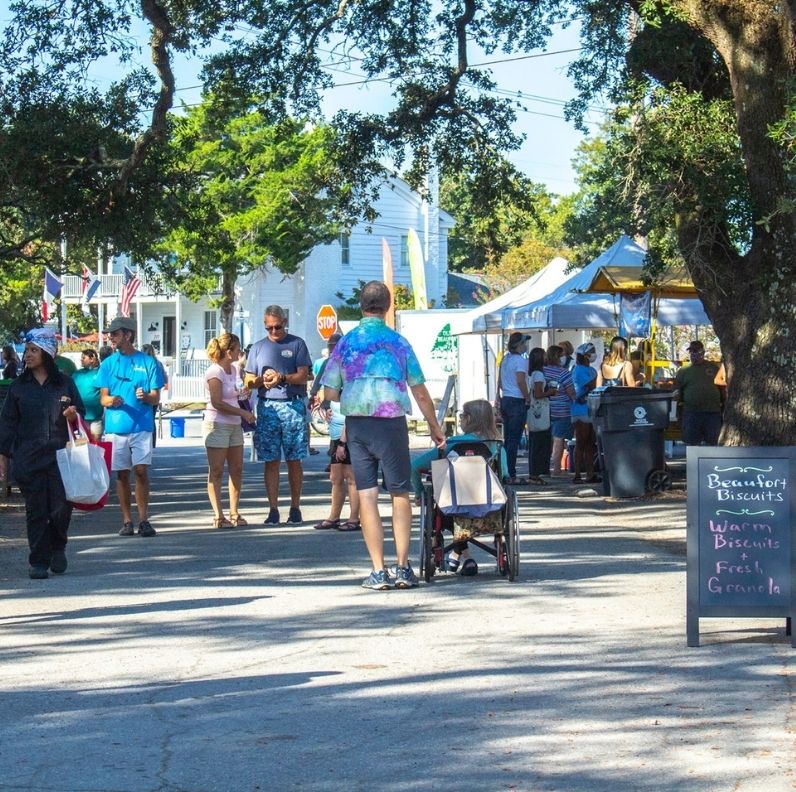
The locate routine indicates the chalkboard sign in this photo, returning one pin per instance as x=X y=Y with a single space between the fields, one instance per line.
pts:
x=741 y=548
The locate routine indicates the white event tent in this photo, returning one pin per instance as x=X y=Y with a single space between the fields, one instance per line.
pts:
x=567 y=307
x=488 y=318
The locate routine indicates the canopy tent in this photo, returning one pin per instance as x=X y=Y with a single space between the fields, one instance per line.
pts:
x=568 y=307
x=620 y=269
x=487 y=318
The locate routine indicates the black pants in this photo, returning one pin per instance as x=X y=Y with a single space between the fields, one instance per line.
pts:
x=47 y=514
x=540 y=446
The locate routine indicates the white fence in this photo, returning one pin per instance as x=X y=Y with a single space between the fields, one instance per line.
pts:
x=183 y=390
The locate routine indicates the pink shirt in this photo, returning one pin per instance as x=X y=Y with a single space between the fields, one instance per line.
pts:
x=229 y=394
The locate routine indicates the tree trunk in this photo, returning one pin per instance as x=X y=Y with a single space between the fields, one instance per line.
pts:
x=227 y=307
x=751 y=299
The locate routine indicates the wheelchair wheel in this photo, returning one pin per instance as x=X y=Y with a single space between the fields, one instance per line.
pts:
x=659 y=481
x=427 y=567
x=511 y=535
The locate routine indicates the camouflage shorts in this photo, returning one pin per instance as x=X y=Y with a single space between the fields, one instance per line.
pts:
x=281 y=428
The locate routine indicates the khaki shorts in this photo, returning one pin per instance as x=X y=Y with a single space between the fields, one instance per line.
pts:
x=222 y=435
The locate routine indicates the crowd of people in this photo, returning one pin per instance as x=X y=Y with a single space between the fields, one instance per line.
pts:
x=546 y=393
x=365 y=382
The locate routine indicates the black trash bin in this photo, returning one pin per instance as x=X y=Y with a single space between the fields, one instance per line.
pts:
x=630 y=424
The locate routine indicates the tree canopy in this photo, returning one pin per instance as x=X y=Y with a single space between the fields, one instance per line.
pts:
x=251 y=195
x=683 y=68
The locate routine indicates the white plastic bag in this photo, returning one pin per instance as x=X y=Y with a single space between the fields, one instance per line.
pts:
x=83 y=469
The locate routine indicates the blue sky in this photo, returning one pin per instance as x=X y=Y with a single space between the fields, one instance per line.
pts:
x=539 y=79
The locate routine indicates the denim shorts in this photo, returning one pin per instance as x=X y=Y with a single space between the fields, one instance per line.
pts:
x=281 y=428
x=561 y=428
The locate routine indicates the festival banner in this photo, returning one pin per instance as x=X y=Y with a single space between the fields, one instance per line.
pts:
x=386 y=260
x=417 y=270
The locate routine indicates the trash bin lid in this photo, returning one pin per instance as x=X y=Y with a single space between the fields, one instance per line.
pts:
x=612 y=394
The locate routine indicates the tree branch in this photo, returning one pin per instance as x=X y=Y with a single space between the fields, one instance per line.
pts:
x=162 y=31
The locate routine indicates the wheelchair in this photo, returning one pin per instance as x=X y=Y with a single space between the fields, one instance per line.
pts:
x=504 y=525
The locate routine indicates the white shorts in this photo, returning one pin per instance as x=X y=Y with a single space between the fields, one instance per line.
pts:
x=130 y=450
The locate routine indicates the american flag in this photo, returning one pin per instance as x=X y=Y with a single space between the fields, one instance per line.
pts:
x=130 y=287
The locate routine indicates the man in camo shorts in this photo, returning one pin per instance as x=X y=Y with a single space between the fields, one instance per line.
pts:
x=278 y=368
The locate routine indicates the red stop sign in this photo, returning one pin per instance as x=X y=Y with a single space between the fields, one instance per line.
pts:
x=326 y=321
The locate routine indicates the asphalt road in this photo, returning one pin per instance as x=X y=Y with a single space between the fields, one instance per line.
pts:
x=251 y=659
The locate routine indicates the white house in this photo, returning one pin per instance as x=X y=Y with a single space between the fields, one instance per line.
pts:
x=181 y=329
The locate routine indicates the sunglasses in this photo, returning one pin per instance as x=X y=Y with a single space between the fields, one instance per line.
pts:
x=274 y=328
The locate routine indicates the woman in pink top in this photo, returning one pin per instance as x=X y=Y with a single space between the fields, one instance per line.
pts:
x=221 y=428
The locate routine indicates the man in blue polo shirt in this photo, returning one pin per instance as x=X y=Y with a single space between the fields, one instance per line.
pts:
x=129 y=382
x=278 y=366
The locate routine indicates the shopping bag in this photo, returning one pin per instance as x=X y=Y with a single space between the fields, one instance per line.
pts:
x=107 y=451
x=538 y=418
x=466 y=485
x=83 y=468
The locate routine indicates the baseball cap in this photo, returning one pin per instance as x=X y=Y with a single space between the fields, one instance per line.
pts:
x=696 y=346
x=515 y=339
x=121 y=323
x=586 y=349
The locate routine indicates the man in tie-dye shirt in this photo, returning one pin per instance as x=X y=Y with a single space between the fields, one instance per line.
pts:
x=373 y=367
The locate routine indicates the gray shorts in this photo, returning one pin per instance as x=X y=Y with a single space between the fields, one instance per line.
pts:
x=379 y=441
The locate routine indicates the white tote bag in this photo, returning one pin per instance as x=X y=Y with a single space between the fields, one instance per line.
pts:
x=466 y=485
x=538 y=415
x=83 y=469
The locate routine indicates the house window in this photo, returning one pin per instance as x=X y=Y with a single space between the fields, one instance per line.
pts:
x=405 y=252
x=211 y=326
x=345 y=250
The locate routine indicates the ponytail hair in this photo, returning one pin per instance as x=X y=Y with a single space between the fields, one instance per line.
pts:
x=218 y=347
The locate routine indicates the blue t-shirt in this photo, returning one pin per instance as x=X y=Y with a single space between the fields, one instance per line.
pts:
x=581 y=377
x=122 y=375
x=285 y=356
x=85 y=380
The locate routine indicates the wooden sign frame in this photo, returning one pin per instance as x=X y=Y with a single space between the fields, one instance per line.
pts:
x=740 y=584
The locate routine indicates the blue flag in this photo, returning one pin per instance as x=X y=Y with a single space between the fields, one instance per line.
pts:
x=635 y=315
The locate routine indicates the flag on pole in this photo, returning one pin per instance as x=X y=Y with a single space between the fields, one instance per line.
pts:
x=417 y=270
x=130 y=287
x=386 y=260
x=90 y=286
x=635 y=315
x=52 y=288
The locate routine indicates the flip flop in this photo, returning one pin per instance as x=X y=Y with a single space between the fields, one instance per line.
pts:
x=350 y=525
x=324 y=525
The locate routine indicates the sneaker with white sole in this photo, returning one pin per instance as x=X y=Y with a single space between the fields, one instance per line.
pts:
x=378 y=581
x=405 y=577
x=272 y=518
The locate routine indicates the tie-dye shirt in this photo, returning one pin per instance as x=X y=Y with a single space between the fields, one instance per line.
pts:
x=374 y=367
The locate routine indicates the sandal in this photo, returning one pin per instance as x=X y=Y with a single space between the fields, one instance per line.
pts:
x=324 y=525
x=535 y=480
x=222 y=522
x=237 y=520
x=350 y=525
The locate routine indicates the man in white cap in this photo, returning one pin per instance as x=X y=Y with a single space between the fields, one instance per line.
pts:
x=130 y=383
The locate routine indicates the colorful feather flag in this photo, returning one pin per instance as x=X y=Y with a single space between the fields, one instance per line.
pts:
x=386 y=260
x=417 y=270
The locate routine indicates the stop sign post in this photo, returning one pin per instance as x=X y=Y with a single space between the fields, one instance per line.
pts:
x=326 y=321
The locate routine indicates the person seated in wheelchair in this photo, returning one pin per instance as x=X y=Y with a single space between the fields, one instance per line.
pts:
x=477 y=421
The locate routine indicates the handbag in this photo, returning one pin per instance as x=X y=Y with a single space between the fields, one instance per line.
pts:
x=538 y=418
x=247 y=426
x=84 y=468
x=466 y=486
